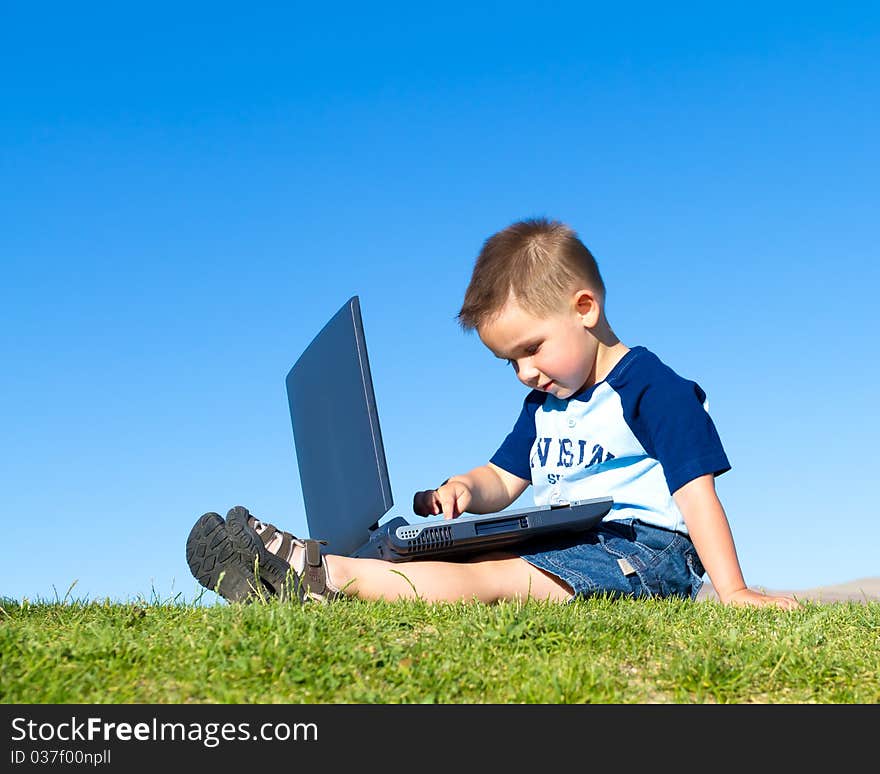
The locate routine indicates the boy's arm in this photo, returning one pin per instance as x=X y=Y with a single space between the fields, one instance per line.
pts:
x=485 y=489
x=710 y=532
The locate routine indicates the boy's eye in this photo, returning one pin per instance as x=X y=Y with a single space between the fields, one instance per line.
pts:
x=530 y=350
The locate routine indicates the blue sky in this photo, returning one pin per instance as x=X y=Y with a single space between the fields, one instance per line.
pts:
x=189 y=191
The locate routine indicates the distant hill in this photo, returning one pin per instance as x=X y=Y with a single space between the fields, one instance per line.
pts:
x=861 y=590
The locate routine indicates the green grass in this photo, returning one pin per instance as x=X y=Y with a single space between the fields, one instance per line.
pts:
x=599 y=651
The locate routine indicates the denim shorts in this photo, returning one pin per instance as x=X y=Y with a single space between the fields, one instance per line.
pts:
x=621 y=558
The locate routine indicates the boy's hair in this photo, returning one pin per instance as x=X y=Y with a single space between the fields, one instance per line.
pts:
x=537 y=262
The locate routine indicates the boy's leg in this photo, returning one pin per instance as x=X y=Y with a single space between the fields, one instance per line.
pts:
x=487 y=578
x=484 y=578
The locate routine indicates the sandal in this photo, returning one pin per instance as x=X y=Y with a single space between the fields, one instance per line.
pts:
x=309 y=580
x=216 y=563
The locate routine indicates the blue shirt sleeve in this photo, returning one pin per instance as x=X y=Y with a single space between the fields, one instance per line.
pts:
x=667 y=413
x=513 y=454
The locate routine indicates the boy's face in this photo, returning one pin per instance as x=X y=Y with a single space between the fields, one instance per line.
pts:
x=555 y=354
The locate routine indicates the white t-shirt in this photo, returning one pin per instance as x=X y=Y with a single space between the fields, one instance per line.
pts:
x=638 y=436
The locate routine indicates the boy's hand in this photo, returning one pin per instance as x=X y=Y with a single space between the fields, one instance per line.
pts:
x=757 y=599
x=451 y=499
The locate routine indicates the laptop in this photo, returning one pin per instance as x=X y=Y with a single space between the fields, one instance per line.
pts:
x=344 y=474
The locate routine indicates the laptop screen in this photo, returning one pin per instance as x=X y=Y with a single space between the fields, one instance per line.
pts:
x=339 y=450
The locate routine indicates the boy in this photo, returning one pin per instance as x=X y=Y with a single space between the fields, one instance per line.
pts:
x=600 y=419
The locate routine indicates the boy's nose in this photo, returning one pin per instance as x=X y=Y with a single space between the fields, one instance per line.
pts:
x=527 y=373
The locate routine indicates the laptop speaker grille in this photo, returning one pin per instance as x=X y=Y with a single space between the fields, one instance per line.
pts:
x=428 y=538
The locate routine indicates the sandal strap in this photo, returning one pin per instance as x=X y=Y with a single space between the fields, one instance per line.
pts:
x=315 y=572
x=286 y=541
x=268 y=533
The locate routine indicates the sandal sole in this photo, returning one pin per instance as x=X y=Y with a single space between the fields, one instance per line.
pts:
x=216 y=563
x=275 y=573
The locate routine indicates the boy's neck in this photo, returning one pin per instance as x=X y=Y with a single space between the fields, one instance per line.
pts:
x=606 y=358
x=609 y=352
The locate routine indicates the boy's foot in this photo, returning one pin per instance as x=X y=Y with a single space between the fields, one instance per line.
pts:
x=285 y=561
x=216 y=563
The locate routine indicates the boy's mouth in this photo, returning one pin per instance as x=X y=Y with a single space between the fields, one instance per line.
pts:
x=546 y=386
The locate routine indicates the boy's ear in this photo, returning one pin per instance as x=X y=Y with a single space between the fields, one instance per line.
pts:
x=586 y=304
